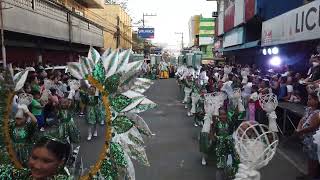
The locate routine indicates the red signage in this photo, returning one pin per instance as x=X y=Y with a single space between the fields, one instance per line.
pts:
x=250 y=6
x=229 y=17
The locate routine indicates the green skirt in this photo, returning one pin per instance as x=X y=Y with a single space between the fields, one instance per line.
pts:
x=204 y=142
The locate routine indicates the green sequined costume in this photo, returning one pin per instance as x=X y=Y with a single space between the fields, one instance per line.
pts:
x=225 y=149
x=102 y=110
x=93 y=113
x=67 y=129
x=199 y=115
x=23 y=139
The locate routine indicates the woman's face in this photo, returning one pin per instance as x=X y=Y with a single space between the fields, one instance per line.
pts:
x=65 y=104
x=312 y=102
x=28 y=89
x=92 y=90
x=36 y=81
x=223 y=116
x=20 y=121
x=43 y=163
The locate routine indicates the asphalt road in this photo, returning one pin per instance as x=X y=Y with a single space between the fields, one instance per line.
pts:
x=173 y=152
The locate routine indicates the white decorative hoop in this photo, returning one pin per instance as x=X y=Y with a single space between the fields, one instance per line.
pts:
x=25 y=99
x=256 y=145
x=244 y=73
x=74 y=84
x=48 y=84
x=269 y=103
x=238 y=99
x=227 y=70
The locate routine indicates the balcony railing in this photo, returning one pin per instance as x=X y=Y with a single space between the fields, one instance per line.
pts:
x=49 y=19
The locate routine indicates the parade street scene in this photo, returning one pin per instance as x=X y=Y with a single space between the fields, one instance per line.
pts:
x=160 y=90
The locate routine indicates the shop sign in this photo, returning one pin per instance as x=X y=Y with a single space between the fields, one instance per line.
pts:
x=234 y=37
x=300 y=24
x=146 y=33
x=206 y=40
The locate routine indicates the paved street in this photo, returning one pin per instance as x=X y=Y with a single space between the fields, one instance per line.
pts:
x=173 y=153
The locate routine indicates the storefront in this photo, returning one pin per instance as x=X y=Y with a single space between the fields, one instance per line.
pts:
x=292 y=36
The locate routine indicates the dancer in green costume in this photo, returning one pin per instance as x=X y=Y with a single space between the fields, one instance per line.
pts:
x=22 y=133
x=67 y=129
x=93 y=114
x=226 y=159
x=47 y=160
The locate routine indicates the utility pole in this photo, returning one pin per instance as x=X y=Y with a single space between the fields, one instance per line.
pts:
x=118 y=33
x=143 y=15
x=143 y=25
x=182 y=44
x=4 y=55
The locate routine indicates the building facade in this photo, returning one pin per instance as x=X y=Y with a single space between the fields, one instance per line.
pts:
x=206 y=36
x=194 y=25
x=239 y=26
x=49 y=31
x=117 y=23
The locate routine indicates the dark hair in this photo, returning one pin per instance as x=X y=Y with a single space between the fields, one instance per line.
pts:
x=59 y=149
x=53 y=91
x=314 y=95
x=267 y=83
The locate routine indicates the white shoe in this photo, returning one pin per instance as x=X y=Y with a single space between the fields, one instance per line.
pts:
x=89 y=137
x=189 y=114
x=42 y=129
x=186 y=106
x=95 y=134
x=195 y=125
x=204 y=162
x=102 y=123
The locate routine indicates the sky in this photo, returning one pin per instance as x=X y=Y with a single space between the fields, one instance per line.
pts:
x=172 y=16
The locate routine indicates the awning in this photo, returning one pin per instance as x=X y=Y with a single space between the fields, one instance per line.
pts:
x=242 y=46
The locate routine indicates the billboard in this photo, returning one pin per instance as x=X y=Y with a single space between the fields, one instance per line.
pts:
x=146 y=33
x=299 y=24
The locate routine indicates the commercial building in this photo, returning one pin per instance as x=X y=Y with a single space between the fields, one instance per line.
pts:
x=239 y=26
x=194 y=25
x=49 y=31
x=117 y=26
x=206 y=36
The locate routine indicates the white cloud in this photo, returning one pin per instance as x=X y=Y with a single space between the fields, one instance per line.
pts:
x=172 y=16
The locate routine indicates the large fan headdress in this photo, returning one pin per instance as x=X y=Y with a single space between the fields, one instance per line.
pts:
x=115 y=76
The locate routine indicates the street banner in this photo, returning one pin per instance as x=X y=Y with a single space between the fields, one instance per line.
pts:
x=146 y=33
x=300 y=24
